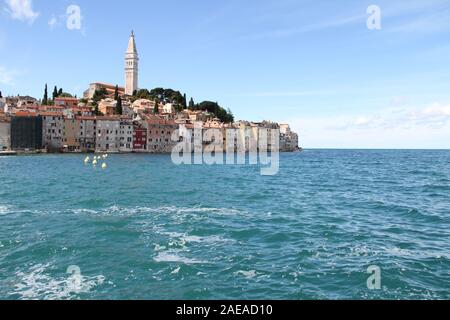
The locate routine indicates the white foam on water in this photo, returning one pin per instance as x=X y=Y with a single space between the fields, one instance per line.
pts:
x=5 y=209
x=115 y=210
x=247 y=274
x=176 y=271
x=183 y=238
x=36 y=284
x=174 y=256
x=159 y=248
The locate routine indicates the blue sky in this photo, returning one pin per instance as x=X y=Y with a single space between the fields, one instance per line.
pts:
x=312 y=63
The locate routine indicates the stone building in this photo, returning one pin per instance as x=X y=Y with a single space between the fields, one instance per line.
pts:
x=107 y=106
x=107 y=137
x=86 y=134
x=288 y=139
x=159 y=134
x=71 y=133
x=126 y=135
x=67 y=102
x=5 y=133
x=110 y=90
x=52 y=131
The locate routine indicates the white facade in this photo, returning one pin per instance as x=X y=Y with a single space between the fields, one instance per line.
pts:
x=131 y=67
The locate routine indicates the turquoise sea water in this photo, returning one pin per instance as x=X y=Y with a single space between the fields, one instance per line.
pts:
x=147 y=229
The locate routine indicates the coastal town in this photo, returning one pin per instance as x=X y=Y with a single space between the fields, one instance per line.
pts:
x=110 y=118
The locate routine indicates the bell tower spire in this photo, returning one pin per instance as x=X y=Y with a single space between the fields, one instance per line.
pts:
x=131 y=66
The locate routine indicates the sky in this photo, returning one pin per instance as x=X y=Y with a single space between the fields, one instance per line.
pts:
x=314 y=64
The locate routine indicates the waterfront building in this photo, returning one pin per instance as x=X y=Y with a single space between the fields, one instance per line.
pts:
x=26 y=131
x=71 y=132
x=266 y=128
x=131 y=67
x=139 y=137
x=107 y=137
x=52 y=130
x=159 y=134
x=5 y=133
x=126 y=135
x=288 y=139
x=87 y=132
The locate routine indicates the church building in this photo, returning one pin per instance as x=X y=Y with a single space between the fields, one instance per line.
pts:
x=131 y=75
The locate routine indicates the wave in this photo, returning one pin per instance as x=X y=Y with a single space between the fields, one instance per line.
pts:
x=175 y=257
x=118 y=210
x=36 y=284
x=5 y=210
x=247 y=274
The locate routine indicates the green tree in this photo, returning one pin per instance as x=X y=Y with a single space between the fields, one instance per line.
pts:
x=100 y=94
x=143 y=94
x=60 y=92
x=157 y=93
x=55 y=93
x=191 y=104
x=45 y=99
x=184 y=101
x=116 y=93
x=218 y=111
x=119 y=109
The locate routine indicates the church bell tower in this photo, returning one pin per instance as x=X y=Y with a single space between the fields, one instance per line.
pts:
x=131 y=67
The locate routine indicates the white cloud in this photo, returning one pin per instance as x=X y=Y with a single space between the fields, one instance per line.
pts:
x=21 y=10
x=437 y=110
x=414 y=127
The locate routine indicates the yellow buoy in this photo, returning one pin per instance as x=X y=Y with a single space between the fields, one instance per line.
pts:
x=104 y=166
x=94 y=162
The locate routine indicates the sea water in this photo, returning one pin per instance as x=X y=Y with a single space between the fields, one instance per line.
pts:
x=145 y=228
